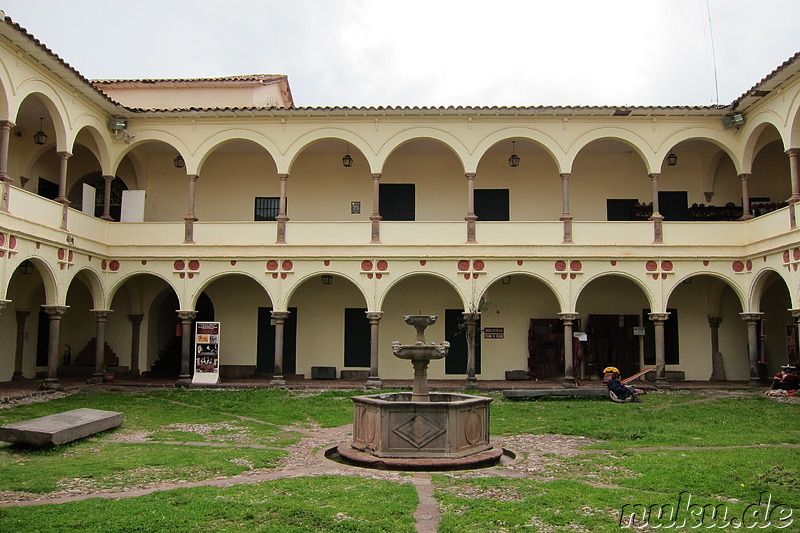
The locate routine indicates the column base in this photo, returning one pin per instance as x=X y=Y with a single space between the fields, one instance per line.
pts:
x=569 y=383
x=17 y=376
x=662 y=383
x=184 y=380
x=754 y=382
x=373 y=383
x=95 y=378
x=50 y=384
x=277 y=382
x=472 y=384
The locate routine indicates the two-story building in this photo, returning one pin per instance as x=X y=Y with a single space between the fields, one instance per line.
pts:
x=635 y=236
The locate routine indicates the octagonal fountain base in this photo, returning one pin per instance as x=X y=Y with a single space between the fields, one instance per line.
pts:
x=394 y=432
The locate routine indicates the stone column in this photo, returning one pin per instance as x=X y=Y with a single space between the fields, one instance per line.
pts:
x=100 y=315
x=569 y=369
x=746 y=213
x=373 y=381
x=185 y=377
x=190 y=217
x=280 y=320
x=107 y=198
x=136 y=330
x=471 y=319
x=55 y=312
x=62 y=187
x=470 y=218
x=793 y=355
x=661 y=362
x=658 y=235
x=717 y=366
x=22 y=316
x=282 y=218
x=566 y=217
x=5 y=179
x=375 y=218
x=752 y=320
x=795 y=174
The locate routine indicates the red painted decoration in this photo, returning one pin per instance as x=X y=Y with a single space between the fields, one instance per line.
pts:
x=366 y=265
x=191 y=275
x=233 y=262
x=12 y=242
x=737 y=266
x=786 y=256
x=651 y=266
x=103 y=264
x=573 y=276
x=283 y=275
x=478 y=265
x=561 y=266
x=466 y=276
x=613 y=262
x=463 y=265
x=663 y=276
x=272 y=265
x=383 y=265
x=575 y=266
x=178 y=265
x=520 y=262
x=61 y=254
x=182 y=275
x=194 y=264
x=275 y=276
x=655 y=276
x=69 y=257
x=705 y=263
x=379 y=276
x=423 y=263
x=369 y=276
x=144 y=261
x=796 y=254
x=563 y=276
x=666 y=266
x=2 y=239
x=327 y=262
x=113 y=265
x=749 y=265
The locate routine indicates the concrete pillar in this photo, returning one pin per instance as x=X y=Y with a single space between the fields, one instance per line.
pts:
x=471 y=320
x=136 y=331
x=470 y=218
x=22 y=316
x=661 y=366
x=62 y=187
x=5 y=179
x=54 y=312
x=793 y=355
x=746 y=213
x=374 y=317
x=658 y=233
x=375 y=218
x=795 y=174
x=190 y=217
x=100 y=316
x=185 y=377
x=566 y=216
x=282 y=218
x=569 y=369
x=107 y=198
x=280 y=320
x=752 y=320
x=717 y=366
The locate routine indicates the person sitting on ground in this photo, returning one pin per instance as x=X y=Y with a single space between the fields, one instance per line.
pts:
x=621 y=391
x=787 y=379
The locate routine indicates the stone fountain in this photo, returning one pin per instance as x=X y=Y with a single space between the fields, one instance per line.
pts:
x=420 y=430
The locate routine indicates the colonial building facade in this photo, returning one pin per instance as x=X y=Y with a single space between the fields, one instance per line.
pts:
x=659 y=235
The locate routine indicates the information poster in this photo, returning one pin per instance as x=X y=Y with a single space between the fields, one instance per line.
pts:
x=206 y=358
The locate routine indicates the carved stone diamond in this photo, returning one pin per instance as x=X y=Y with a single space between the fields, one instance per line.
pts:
x=418 y=431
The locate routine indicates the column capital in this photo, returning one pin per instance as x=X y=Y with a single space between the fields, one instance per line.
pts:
x=55 y=311
x=795 y=313
x=470 y=175
x=374 y=315
x=744 y=176
x=471 y=316
x=654 y=175
x=283 y=177
x=23 y=314
x=6 y=124
x=565 y=175
x=714 y=321
x=64 y=155
x=4 y=303
x=280 y=315
x=108 y=177
x=101 y=314
x=136 y=318
x=186 y=315
x=658 y=317
x=792 y=152
x=751 y=317
x=568 y=317
x=375 y=176
x=192 y=177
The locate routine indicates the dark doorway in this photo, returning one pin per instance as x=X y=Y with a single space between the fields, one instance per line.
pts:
x=455 y=332
x=620 y=208
x=612 y=342
x=42 y=339
x=546 y=348
x=671 y=353
x=673 y=205
x=265 y=355
x=356 y=338
x=47 y=189
x=397 y=201
x=491 y=204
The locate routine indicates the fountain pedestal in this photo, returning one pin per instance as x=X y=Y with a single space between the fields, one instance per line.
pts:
x=420 y=430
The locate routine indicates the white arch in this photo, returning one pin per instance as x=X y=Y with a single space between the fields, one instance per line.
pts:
x=550 y=145
x=94 y=284
x=95 y=130
x=127 y=277
x=547 y=283
x=52 y=293
x=52 y=101
x=360 y=143
x=726 y=281
x=636 y=142
x=381 y=299
x=193 y=297
x=752 y=133
x=756 y=289
x=413 y=133
x=616 y=273
x=209 y=145
x=721 y=140
x=316 y=274
x=144 y=137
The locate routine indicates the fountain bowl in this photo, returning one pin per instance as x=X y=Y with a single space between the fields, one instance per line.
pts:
x=420 y=352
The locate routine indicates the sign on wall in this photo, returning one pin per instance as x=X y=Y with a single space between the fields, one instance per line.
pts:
x=206 y=358
x=493 y=333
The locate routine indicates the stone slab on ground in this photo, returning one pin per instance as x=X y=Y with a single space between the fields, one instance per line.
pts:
x=534 y=394
x=63 y=427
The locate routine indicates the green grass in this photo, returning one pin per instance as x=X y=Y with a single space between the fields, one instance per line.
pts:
x=327 y=503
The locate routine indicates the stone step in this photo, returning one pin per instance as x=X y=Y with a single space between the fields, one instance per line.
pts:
x=60 y=428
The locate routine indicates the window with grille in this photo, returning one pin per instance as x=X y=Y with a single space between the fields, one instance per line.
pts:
x=266 y=208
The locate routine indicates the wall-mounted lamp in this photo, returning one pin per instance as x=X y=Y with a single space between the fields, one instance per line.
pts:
x=327 y=279
x=506 y=280
x=179 y=162
x=26 y=268
x=513 y=161
x=40 y=137
x=672 y=159
x=347 y=161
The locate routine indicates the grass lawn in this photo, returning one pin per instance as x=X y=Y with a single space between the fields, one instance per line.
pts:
x=725 y=452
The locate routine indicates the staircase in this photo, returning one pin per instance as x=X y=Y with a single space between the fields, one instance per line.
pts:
x=168 y=363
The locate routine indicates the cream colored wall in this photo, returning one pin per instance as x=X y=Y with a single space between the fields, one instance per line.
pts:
x=770 y=177
x=694 y=334
x=441 y=188
x=598 y=176
x=236 y=301
x=168 y=190
x=775 y=303
x=511 y=307
x=229 y=183
x=733 y=339
x=157 y=97
x=321 y=188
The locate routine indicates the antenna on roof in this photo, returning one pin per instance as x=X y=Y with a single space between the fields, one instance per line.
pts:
x=713 y=54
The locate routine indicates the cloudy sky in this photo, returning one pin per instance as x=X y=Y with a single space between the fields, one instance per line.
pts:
x=433 y=52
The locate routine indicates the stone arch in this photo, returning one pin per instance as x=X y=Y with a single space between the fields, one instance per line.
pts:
x=356 y=141
x=723 y=282
x=211 y=144
x=122 y=281
x=447 y=139
x=754 y=127
x=90 y=278
x=549 y=144
x=758 y=286
x=381 y=297
x=615 y=273
x=308 y=277
x=148 y=136
x=793 y=122
x=102 y=148
x=719 y=139
x=193 y=297
x=541 y=279
x=56 y=109
x=617 y=134
x=52 y=291
x=6 y=90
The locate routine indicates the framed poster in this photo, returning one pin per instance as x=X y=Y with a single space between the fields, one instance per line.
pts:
x=206 y=356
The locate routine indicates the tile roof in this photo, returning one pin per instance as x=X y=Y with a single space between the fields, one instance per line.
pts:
x=262 y=78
